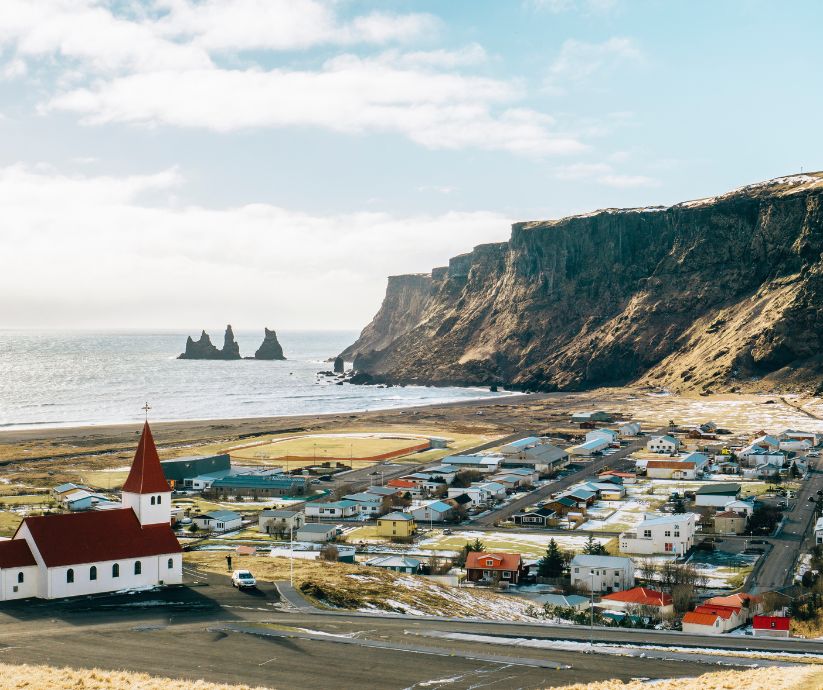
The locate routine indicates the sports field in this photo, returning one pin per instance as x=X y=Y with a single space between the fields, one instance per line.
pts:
x=340 y=447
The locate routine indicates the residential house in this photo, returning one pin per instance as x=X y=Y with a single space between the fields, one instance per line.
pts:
x=510 y=481
x=529 y=475
x=665 y=444
x=478 y=496
x=749 y=604
x=603 y=573
x=565 y=601
x=398 y=564
x=756 y=456
x=435 y=511
x=717 y=494
x=368 y=505
x=537 y=454
x=729 y=522
x=658 y=604
x=627 y=429
x=62 y=491
x=280 y=522
x=385 y=491
x=624 y=477
x=815 y=439
x=771 y=626
x=604 y=491
x=445 y=472
x=398 y=525
x=218 y=521
x=85 y=500
x=589 y=448
x=406 y=487
x=607 y=434
x=542 y=517
x=795 y=446
x=484 y=566
x=495 y=490
x=702 y=623
x=661 y=534
x=316 y=531
x=731 y=617
x=563 y=505
x=591 y=416
x=333 y=509
x=741 y=505
x=670 y=469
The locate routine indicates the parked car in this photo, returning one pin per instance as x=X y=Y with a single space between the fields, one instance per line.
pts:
x=243 y=579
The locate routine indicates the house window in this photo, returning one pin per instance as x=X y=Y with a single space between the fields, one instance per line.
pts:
x=171 y=563
x=20 y=578
x=138 y=568
x=667 y=533
x=70 y=575
x=647 y=533
x=152 y=500
x=93 y=573
x=115 y=570
x=490 y=563
x=577 y=570
x=677 y=534
x=506 y=575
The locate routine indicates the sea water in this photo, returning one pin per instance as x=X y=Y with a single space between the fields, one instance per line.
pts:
x=64 y=379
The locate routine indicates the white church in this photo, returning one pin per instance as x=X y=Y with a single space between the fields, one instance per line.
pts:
x=54 y=556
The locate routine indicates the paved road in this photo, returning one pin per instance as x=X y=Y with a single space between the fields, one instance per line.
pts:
x=591 y=468
x=197 y=632
x=777 y=568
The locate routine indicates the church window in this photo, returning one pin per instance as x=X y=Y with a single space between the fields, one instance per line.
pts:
x=138 y=567
x=93 y=573
x=171 y=563
x=159 y=499
x=152 y=500
x=115 y=570
x=70 y=575
x=20 y=578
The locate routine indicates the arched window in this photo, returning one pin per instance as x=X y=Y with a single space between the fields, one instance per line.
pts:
x=21 y=577
x=138 y=567
x=93 y=573
x=171 y=565
x=115 y=570
x=70 y=575
x=152 y=500
x=159 y=499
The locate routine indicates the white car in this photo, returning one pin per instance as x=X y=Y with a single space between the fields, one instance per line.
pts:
x=242 y=579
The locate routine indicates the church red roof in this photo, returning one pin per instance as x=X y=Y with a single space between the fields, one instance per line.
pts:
x=146 y=475
x=15 y=553
x=111 y=535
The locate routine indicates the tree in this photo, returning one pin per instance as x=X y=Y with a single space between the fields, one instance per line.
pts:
x=551 y=565
x=648 y=569
x=594 y=548
x=329 y=552
x=465 y=478
x=477 y=545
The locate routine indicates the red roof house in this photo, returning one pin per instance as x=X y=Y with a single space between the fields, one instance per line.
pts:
x=637 y=597
x=702 y=623
x=771 y=626
x=401 y=484
x=15 y=553
x=481 y=565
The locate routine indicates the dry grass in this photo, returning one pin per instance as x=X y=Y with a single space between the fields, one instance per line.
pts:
x=41 y=677
x=9 y=523
x=774 y=678
x=357 y=587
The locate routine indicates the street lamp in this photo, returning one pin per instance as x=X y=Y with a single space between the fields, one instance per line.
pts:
x=591 y=613
x=291 y=553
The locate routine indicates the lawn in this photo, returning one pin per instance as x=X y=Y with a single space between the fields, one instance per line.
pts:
x=8 y=523
x=102 y=479
x=529 y=545
x=321 y=446
x=28 y=499
x=368 y=533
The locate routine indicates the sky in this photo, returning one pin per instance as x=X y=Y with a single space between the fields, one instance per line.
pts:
x=191 y=163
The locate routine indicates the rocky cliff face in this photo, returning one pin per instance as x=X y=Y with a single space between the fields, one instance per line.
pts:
x=714 y=294
x=203 y=348
x=270 y=347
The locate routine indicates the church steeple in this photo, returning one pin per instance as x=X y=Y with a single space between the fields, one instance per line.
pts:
x=146 y=490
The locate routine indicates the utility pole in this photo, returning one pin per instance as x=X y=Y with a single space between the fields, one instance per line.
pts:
x=291 y=552
x=591 y=613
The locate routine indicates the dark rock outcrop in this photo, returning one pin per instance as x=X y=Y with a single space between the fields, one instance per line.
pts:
x=707 y=295
x=339 y=365
x=203 y=348
x=270 y=348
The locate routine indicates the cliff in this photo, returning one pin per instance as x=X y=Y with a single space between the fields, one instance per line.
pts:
x=715 y=294
x=203 y=348
x=270 y=347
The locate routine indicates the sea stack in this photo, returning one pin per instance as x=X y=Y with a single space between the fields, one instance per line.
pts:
x=339 y=365
x=270 y=348
x=203 y=348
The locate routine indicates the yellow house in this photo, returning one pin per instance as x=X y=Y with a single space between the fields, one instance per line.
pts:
x=395 y=525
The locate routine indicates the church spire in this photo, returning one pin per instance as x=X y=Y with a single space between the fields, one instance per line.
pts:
x=146 y=474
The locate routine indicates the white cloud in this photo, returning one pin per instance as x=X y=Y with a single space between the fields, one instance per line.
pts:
x=603 y=173
x=584 y=6
x=349 y=94
x=472 y=54
x=629 y=181
x=579 y=60
x=103 y=251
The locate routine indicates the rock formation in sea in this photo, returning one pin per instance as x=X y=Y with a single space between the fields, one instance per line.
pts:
x=203 y=348
x=716 y=294
x=339 y=365
x=270 y=348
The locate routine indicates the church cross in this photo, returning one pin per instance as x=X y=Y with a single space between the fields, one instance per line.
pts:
x=146 y=409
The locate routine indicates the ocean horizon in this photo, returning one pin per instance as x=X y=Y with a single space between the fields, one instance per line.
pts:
x=95 y=377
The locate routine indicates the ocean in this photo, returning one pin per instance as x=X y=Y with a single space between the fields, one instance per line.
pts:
x=52 y=379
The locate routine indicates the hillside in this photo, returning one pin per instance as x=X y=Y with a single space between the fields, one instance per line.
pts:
x=717 y=294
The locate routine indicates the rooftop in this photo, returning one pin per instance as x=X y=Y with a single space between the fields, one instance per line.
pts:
x=500 y=561
x=719 y=488
x=641 y=596
x=146 y=475
x=588 y=561
x=317 y=528
x=397 y=516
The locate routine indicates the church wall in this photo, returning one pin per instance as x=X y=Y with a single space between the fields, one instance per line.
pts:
x=154 y=570
x=9 y=581
x=148 y=513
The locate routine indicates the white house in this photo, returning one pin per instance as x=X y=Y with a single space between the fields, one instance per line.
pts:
x=280 y=521
x=219 y=521
x=334 y=509
x=603 y=573
x=660 y=534
x=798 y=446
x=663 y=444
x=55 y=556
x=496 y=490
x=368 y=505
x=479 y=496
x=813 y=438
x=589 y=448
x=628 y=429
x=436 y=511
x=608 y=434
x=741 y=506
x=316 y=531
x=717 y=494
x=818 y=531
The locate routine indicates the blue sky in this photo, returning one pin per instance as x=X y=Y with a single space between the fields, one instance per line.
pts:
x=178 y=163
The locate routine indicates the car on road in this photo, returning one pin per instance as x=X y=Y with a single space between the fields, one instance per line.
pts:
x=243 y=579
x=820 y=492
x=782 y=504
x=811 y=498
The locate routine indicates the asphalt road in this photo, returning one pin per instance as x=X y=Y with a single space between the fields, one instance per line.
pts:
x=205 y=631
x=591 y=468
x=777 y=568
